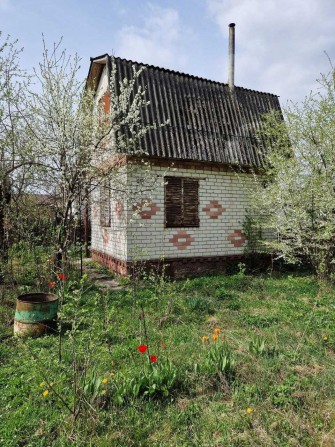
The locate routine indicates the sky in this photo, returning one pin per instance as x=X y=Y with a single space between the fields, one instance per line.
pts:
x=282 y=46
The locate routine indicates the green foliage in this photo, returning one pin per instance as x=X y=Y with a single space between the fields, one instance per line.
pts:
x=199 y=304
x=223 y=294
x=156 y=381
x=293 y=201
x=259 y=321
x=253 y=233
x=257 y=345
x=29 y=266
x=31 y=221
x=234 y=305
x=283 y=393
x=93 y=388
x=16 y=150
x=219 y=360
x=196 y=392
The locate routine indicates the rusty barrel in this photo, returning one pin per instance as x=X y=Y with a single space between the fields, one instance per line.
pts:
x=35 y=313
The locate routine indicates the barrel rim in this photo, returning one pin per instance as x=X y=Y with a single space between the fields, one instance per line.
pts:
x=36 y=323
x=32 y=298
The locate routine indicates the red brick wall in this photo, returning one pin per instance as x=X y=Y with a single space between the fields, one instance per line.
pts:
x=178 y=267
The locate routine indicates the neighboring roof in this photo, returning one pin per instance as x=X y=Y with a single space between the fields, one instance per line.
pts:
x=206 y=122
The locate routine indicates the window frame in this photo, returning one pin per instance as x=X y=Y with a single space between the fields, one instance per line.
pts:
x=105 y=206
x=188 y=185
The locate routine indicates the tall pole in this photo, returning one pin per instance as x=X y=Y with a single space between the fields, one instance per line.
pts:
x=86 y=225
x=231 y=57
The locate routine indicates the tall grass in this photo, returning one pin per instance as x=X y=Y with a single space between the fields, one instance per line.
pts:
x=266 y=380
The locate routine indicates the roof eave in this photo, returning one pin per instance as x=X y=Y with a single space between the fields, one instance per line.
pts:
x=95 y=71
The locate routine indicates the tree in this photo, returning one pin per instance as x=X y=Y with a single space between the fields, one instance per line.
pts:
x=79 y=145
x=16 y=154
x=294 y=199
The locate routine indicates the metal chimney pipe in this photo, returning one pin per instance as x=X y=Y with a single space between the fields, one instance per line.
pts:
x=231 y=56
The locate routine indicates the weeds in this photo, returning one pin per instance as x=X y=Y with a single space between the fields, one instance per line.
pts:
x=156 y=381
x=175 y=363
x=219 y=360
x=257 y=345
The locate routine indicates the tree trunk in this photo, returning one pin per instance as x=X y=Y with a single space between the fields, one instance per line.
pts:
x=4 y=202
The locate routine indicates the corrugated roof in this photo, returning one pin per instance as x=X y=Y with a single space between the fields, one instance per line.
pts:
x=206 y=122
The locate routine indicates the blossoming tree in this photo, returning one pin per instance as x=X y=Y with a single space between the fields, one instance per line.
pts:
x=78 y=144
x=295 y=198
x=16 y=153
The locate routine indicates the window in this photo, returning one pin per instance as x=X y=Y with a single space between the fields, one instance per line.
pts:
x=105 y=206
x=181 y=202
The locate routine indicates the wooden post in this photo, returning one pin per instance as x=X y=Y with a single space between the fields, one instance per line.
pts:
x=86 y=228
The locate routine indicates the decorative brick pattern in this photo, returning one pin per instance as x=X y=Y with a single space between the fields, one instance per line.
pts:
x=181 y=240
x=105 y=236
x=212 y=246
x=237 y=238
x=222 y=193
x=118 y=208
x=146 y=209
x=214 y=209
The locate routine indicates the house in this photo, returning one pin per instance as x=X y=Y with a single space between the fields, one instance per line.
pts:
x=193 y=218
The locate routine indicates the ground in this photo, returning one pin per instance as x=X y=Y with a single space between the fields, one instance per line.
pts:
x=229 y=360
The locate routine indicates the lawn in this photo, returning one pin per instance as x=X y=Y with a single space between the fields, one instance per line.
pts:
x=213 y=361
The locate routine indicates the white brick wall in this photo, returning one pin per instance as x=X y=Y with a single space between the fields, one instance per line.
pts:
x=111 y=240
x=149 y=239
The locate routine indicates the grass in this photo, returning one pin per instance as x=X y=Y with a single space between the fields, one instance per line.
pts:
x=279 y=345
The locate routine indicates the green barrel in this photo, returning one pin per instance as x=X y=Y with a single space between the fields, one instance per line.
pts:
x=35 y=313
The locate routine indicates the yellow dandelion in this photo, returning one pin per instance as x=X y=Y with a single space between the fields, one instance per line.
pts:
x=204 y=339
x=42 y=384
x=103 y=392
x=215 y=337
x=45 y=393
x=325 y=338
x=51 y=384
x=249 y=410
x=217 y=331
x=104 y=380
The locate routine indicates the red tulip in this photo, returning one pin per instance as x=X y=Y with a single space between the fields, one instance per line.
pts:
x=51 y=285
x=142 y=348
x=62 y=276
x=153 y=358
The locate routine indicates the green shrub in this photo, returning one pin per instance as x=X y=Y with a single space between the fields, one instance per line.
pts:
x=219 y=359
x=223 y=294
x=259 y=321
x=234 y=305
x=156 y=381
x=257 y=345
x=199 y=304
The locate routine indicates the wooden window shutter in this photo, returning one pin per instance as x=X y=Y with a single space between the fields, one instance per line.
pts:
x=190 y=203
x=173 y=202
x=181 y=202
x=105 y=206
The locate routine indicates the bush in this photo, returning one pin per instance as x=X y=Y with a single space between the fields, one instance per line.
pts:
x=156 y=381
x=219 y=359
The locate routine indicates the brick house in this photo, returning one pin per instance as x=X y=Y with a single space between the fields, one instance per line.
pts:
x=193 y=218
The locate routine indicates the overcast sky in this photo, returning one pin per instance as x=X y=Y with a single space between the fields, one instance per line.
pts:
x=280 y=44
